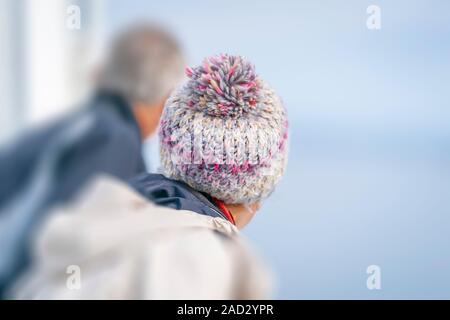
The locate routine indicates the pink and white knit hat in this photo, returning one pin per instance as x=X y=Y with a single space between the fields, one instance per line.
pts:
x=224 y=132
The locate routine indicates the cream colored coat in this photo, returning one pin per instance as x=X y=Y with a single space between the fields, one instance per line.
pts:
x=114 y=244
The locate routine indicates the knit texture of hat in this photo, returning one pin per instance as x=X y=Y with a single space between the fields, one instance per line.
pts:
x=224 y=132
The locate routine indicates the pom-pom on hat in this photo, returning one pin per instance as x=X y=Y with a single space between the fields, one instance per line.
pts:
x=224 y=86
x=224 y=132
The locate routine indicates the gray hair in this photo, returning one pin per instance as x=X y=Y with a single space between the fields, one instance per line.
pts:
x=144 y=65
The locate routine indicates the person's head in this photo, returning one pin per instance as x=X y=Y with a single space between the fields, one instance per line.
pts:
x=224 y=132
x=144 y=65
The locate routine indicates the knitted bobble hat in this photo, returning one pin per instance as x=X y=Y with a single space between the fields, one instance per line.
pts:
x=224 y=132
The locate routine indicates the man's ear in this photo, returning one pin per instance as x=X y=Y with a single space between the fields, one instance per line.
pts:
x=243 y=213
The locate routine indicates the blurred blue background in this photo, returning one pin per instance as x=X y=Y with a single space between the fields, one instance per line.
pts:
x=369 y=175
x=368 y=182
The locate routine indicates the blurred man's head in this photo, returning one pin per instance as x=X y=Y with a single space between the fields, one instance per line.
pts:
x=144 y=65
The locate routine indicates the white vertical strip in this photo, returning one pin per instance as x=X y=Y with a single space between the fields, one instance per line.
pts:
x=12 y=65
x=6 y=117
x=47 y=60
x=85 y=47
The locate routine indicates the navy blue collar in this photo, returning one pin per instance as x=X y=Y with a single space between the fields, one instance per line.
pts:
x=174 y=194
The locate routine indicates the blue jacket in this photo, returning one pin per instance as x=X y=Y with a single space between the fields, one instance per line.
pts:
x=110 y=143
